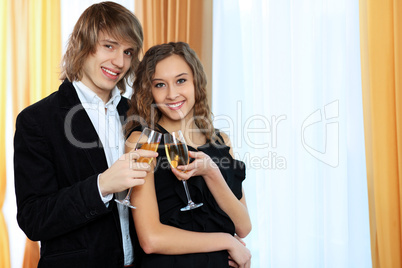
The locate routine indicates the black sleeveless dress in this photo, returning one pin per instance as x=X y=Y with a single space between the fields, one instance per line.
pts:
x=207 y=218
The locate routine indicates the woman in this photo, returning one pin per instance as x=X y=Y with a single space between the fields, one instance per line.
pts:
x=170 y=95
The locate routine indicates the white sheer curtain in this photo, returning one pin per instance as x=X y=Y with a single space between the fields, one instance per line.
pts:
x=287 y=90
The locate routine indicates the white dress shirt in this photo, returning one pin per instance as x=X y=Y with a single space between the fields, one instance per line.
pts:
x=105 y=119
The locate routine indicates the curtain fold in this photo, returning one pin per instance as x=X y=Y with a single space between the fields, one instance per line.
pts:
x=36 y=39
x=381 y=60
x=4 y=48
x=171 y=20
x=31 y=254
x=35 y=59
x=19 y=54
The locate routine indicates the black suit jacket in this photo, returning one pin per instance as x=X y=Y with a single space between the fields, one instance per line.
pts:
x=57 y=159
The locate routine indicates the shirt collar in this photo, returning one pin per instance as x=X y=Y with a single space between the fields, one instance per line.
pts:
x=115 y=98
x=86 y=95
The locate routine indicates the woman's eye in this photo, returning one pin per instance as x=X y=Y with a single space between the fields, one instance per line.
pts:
x=181 y=81
x=109 y=46
x=159 y=85
x=128 y=53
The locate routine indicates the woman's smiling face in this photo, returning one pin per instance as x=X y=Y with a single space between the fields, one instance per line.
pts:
x=173 y=89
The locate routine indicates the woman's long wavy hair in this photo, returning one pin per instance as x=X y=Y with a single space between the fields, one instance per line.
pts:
x=107 y=17
x=143 y=109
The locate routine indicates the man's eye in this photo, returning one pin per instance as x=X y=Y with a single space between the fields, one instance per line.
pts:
x=109 y=46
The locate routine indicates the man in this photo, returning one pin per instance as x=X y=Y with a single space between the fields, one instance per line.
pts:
x=68 y=158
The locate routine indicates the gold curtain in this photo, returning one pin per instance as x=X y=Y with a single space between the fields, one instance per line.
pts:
x=4 y=48
x=381 y=61
x=171 y=20
x=36 y=39
x=189 y=21
x=35 y=59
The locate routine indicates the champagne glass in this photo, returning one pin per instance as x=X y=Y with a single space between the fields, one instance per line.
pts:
x=148 y=140
x=177 y=154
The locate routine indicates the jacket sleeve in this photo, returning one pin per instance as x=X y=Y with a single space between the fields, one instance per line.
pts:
x=47 y=205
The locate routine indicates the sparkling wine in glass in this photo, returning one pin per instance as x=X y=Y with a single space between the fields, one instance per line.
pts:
x=177 y=155
x=148 y=140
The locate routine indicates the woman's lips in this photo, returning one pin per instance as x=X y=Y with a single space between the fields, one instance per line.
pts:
x=175 y=106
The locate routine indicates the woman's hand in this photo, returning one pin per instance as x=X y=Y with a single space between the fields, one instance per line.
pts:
x=239 y=255
x=201 y=166
x=227 y=201
x=232 y=263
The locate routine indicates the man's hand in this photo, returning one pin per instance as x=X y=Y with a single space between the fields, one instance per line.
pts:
x=125 y=172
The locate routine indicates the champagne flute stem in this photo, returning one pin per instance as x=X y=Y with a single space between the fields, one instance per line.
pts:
x=187 y=192
x=128 y=194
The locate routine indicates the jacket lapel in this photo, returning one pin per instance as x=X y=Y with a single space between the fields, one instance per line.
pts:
x=79 y=129
x=122 y=108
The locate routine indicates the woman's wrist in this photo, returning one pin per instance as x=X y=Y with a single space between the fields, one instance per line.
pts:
x=229 y=242
x=213 y=172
